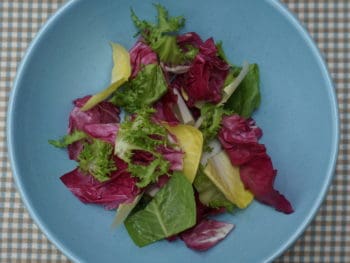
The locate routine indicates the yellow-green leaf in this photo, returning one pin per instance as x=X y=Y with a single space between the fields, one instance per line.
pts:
x=121 y=60
x=120 y=74
x=227 y=179
x=97 y=98
x=190 y=140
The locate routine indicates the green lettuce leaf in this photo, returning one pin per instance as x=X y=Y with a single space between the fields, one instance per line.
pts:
x=161 y=36
x=139 y=132
x=143 y=202
x=211 y=115
x=149 y=173
x=209 y=194
x=247 y=96
x=96 y=159
x=134 y=134
x=171 y=211
x=146 y=88
x=68 y=139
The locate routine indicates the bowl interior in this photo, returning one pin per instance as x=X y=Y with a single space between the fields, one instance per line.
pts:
x=72 y=58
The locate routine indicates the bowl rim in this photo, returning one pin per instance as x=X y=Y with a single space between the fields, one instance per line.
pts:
x=279 y=7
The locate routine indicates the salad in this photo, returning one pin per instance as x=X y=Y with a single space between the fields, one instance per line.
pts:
x=170 y=143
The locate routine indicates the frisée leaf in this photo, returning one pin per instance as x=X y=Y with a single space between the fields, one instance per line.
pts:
x=211 y=122
x=161 y=36
x=145 y=89
x=139 y=132
x=68 y=139
x=96 y=159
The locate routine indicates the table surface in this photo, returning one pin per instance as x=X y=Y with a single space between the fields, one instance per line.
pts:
x=327 y=239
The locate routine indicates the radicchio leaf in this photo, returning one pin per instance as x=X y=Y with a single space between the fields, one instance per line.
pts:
x=173 y=156
x=106 y=131
x=121 y=188
x=102 y=113
x=165 y=109
x=240 y=138
x=190 y=38
x=141 y=55
x=207 y=74
x=206 y=234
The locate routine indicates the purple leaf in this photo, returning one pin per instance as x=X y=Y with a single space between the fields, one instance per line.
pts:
x=240 y=139
x=206 y=234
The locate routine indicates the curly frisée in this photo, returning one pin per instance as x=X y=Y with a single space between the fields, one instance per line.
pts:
x=187 y=148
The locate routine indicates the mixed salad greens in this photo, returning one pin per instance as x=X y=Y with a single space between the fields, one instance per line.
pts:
x=187 y=147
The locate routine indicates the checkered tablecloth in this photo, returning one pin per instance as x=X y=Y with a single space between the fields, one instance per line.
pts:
x=327 y=239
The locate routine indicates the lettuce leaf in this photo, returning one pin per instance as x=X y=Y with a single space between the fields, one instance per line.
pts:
x=208 y=193
x=171 y=211
x=247 y=96
x=145 y=89
x=68 y=139
x=139 y=132
x=96 y=159
x=161 y=36
x=149 y=173
x=211 y=115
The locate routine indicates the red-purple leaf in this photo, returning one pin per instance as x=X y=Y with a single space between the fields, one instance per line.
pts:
x=104 y=112
x=165 y=109
x=206 y=234
x=141 y=54
x=206 y=76
x=121 y=188
x=243 y=130
x=190 y=38
x=74 y=150
x=106 y=131
x=240 y=139
x=173 y=156
x=141 y=157
x=162 y=180
x=258 y=175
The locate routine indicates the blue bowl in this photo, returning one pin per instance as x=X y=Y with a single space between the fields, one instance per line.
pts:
x=70 y=58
